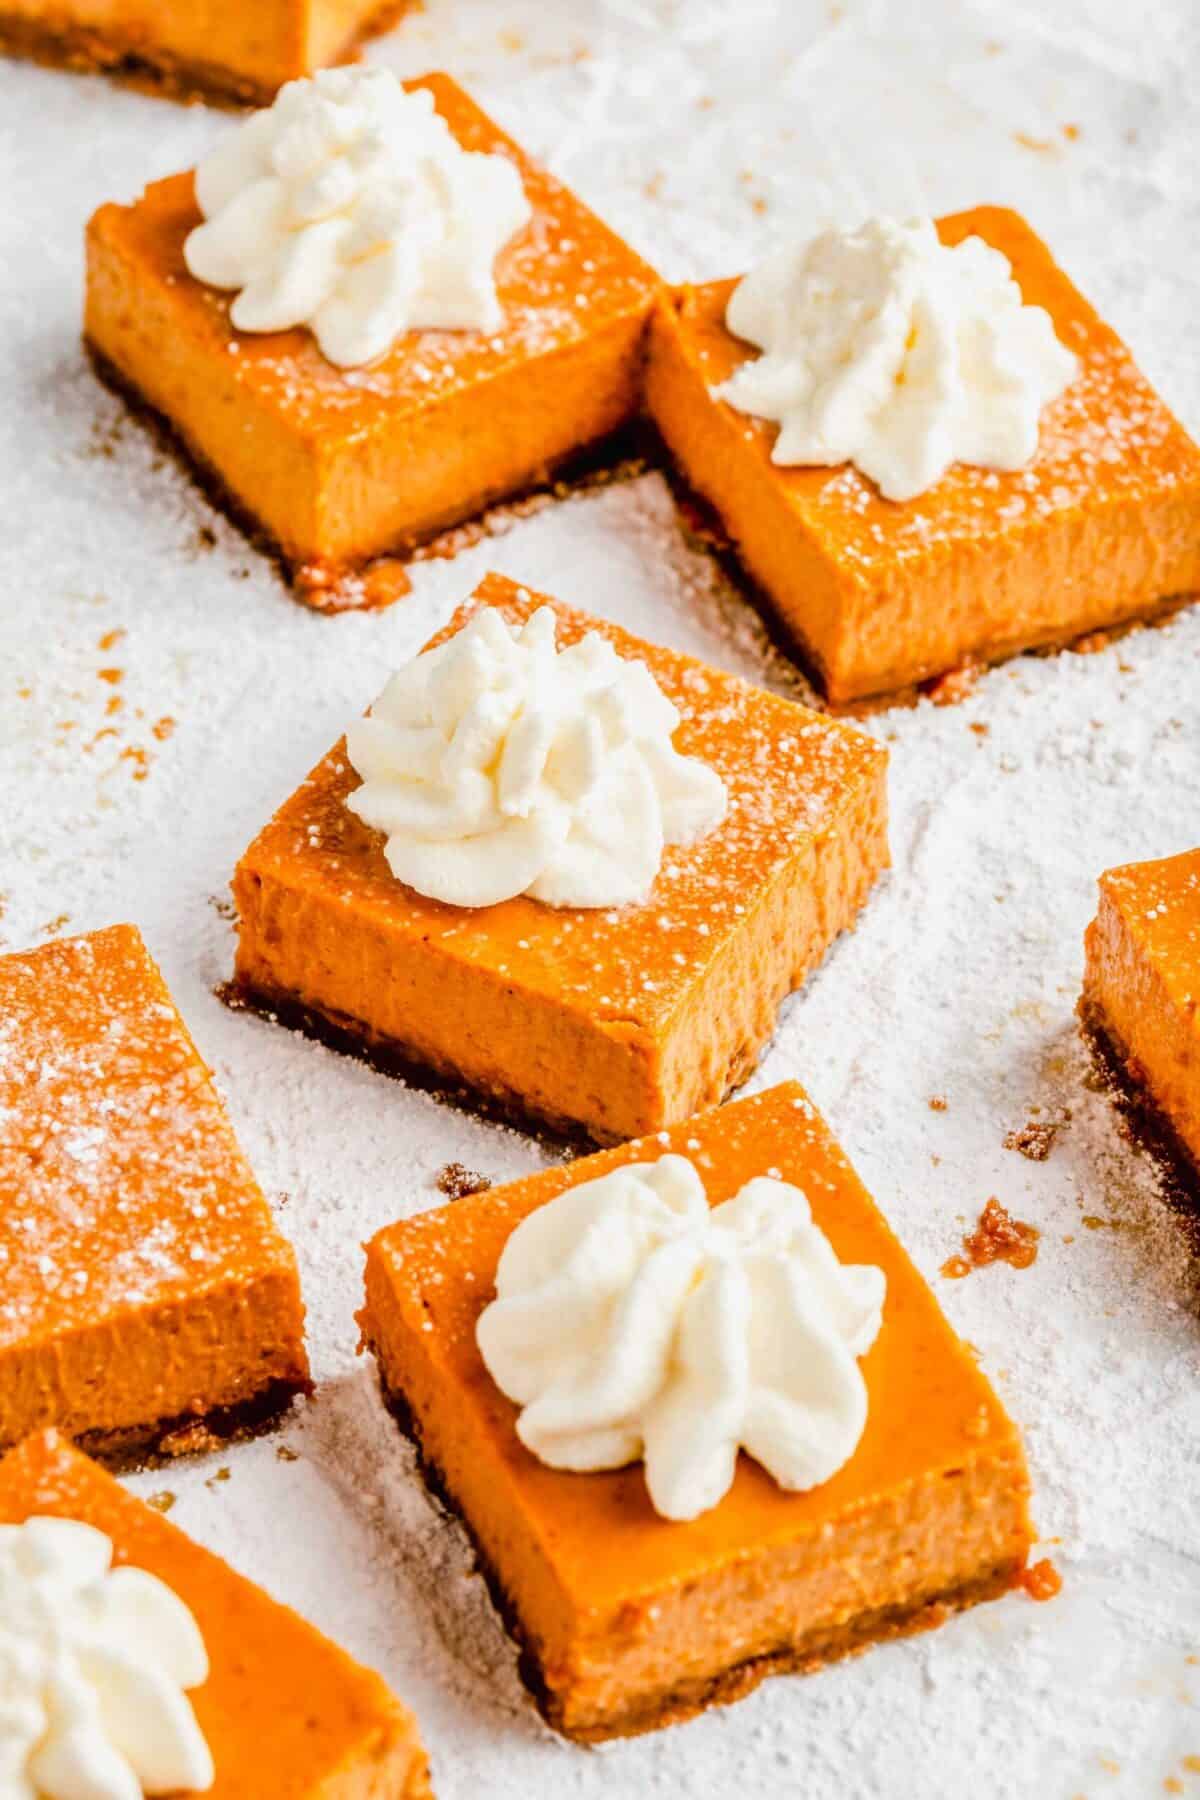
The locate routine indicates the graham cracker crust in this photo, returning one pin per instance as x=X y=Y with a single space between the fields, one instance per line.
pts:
x=559 y=1135
x=388 y=1056
x=381 y=579
x=945 y=688
x=157 y=1445
x=691 y=1697
x=1124 y=1080
x=59 y=42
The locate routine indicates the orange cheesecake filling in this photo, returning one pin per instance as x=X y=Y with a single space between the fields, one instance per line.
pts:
x=1142 y=983
x=284 y=1711
x=212 y=47
x=628 y=1620
x=334 y=467
x=619 y=1020
x=1103 y=527
x=145 y=1284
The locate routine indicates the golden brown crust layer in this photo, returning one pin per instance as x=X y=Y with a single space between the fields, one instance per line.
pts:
x=350 y=1037
x=191 y=1434
x=686 y=1700
x=1122 y=1075
x=62 y=44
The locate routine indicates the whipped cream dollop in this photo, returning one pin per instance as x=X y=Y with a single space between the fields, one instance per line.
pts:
x=348 y=206
x=94 y=1667
x=497 y=764
x=633 y=1321
x=884 y=348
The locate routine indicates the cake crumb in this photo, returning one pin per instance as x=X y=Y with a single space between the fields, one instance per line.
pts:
x=1041 y=1580
x=997 y=1238
x=285 y=1453
x=189 y=1440
x=456 y=1181
x=1036 y=1138
x=162 y=1502
x=938 y=1103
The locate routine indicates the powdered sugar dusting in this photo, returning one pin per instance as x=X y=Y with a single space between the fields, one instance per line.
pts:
x=120 y=1185
x=699 y=131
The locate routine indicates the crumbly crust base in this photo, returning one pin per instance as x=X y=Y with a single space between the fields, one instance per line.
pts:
x=1125 y=1081
x=351 y=588
x=348 y=1036
x=651 y=1712
x=389 y=1056
x=159 y=1444
x=61 y=44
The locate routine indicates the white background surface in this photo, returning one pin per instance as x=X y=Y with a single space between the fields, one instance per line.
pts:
x=702 y=131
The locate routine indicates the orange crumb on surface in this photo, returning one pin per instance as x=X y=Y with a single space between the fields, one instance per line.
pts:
x=111 y=638
x=112 y=676
x=1071 y=132
x=1191 y=1763
x=162 y=728
x=1173 y=1785
x=134 y=754
x=998 y=1237
x=937 y=1102
x=1040 y=1580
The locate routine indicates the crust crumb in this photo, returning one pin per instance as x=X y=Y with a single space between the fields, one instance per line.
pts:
x=1037 y=1137
x=997 y=1238
x=456 y=1181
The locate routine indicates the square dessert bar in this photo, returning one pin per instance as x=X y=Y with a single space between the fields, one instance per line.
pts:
x=1102 y=528
x=616 y=1021
x=1141 y=991
x=285 y=1713
x=218 y=48
x=333 y=467
x=626 y=1620
x=146 y=1298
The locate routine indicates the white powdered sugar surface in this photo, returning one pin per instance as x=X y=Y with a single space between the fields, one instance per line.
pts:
x=700 y=130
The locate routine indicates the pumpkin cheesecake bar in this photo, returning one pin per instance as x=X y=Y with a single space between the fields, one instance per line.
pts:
x=880 y=1484
x=360 y=436
x=1141 y=992
x=215 y=48
x=147 y=1300
x=1094 y=525
x=222 y=1690
x=610 y=1018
